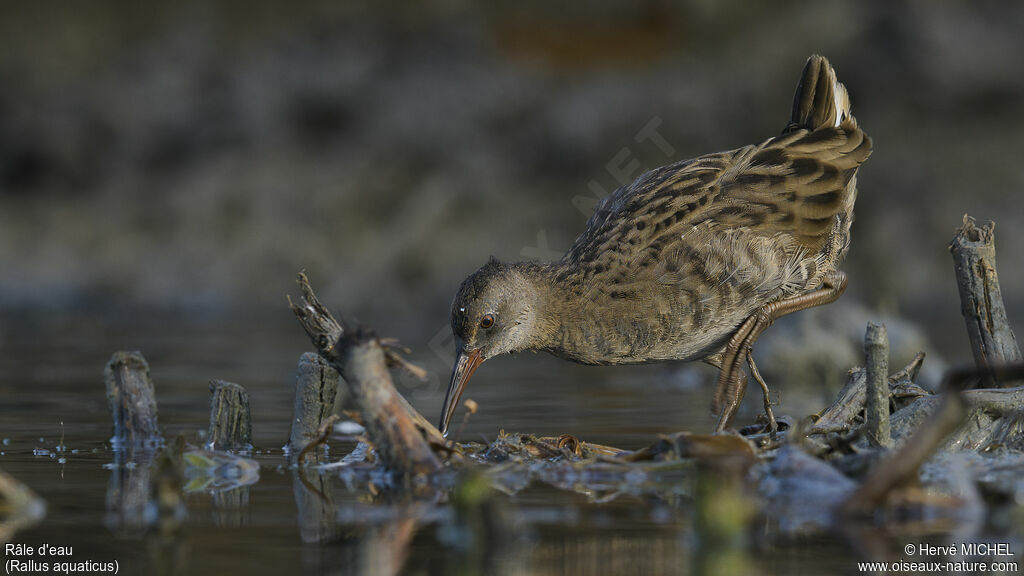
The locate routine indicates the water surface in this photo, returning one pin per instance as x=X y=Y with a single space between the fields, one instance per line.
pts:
x=51 y=383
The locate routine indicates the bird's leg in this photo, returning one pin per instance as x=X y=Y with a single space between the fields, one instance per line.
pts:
x=773 y=426
x=739 y=389
x=732 y=383
x=729 y=393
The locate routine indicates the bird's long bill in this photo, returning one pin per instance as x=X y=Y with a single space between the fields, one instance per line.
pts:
x=465 y=365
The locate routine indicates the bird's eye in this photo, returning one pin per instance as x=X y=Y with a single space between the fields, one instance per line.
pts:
x=487 y=321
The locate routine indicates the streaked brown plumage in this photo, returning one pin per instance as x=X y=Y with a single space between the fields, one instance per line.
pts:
x=691 y=261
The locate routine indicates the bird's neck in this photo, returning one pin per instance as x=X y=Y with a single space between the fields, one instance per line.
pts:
x=568 y=322
x=552 y=290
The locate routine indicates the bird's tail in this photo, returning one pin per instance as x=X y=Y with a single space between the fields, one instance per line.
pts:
x=821 y=100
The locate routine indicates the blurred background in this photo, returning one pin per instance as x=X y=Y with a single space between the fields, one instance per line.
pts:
x=191 y=158
x=165 y=170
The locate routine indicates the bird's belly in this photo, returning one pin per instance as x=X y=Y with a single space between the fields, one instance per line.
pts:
x=694 y=347
x=663 y=352
x=646 y=341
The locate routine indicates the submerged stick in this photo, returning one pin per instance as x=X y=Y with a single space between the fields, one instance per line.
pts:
x=231 y=507
x=314 y=501
x=401 y=436
x=981 y=300
x=130 y=492
x=230 y=420
x=320 y=438
x=876 y=406
x=132 y=400
x=316 y=399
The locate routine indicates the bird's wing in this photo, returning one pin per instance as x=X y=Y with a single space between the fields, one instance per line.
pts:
x=790 y=189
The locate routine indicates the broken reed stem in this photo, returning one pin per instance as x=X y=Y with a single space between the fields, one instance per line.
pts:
x=403 y=439
x=981 y=300
x=997 y=400
x=876 y=405
x=900 y=468
x=230 y=419
x=399 y=440
x=325 y=332
x=850 y=401
x=316 y=399
x=132 y=400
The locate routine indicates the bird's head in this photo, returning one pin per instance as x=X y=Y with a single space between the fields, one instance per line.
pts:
x=493 y=313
